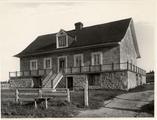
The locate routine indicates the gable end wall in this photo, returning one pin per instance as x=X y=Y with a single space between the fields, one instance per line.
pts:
x=127 y=49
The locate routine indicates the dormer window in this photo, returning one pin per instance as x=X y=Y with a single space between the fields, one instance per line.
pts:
x=62 y=39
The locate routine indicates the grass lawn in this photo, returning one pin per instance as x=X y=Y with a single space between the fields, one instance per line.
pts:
x=55 y=109
x=61 y=108
x=96 y=97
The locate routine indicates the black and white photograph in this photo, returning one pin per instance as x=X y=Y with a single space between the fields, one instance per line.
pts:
x=77 y=58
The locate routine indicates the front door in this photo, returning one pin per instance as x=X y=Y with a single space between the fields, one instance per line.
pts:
x=62 y=63
x=70 y=83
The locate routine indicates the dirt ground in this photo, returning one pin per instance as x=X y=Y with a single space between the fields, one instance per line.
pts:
x=125 y=105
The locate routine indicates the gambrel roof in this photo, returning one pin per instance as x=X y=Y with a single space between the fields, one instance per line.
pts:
x=108 y=33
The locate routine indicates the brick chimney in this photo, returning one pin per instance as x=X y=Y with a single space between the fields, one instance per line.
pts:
x=78 y=26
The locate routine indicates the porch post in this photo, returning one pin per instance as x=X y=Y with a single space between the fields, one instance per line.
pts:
x=112 y=66
x=86 y=92
x=127 y=65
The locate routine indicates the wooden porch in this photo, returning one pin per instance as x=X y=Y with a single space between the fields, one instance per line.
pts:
x=81 y=70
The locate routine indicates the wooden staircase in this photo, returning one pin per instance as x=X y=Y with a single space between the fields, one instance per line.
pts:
x=52 y=80
x=57 y=79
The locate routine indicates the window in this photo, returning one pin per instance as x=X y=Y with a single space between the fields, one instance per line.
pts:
x=33 y=65
x=62 y=41
x=94 y=80
x=96 y=58
x=78 y=60
x=47 y=63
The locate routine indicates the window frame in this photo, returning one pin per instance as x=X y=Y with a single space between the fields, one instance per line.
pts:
x=61 y=33
x=66 y=62
x=82 y=60
x=31 y=67
x=101 y=57
x=49 y=58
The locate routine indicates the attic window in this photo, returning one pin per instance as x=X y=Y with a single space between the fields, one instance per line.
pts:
x=62 y=39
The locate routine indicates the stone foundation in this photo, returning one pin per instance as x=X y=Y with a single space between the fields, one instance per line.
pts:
x=114 y=80
x=123 y=80
x=109 y=80
x=79 y=81
x=21 y=82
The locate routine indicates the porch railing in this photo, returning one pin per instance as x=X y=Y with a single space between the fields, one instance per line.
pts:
x=30 y=73
x=82 y=69
x=105 y=67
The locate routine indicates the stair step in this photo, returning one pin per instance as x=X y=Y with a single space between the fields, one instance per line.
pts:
x=52 y=76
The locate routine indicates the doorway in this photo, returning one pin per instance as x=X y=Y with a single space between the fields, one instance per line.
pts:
x=70 y=83
x=61 y=63
x=37 y=82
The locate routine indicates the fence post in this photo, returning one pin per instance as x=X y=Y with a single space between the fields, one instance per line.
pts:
x=68 y=95
x=46 y=103
x=17 y=95
x=40 y=93
x=35 y=104
x=86 y=92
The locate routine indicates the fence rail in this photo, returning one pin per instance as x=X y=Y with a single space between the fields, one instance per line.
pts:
x=33 y=94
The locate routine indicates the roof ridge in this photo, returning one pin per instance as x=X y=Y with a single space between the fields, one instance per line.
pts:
x=108 y=22
x=88 y=26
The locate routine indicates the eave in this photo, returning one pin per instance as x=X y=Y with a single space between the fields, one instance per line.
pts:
x=69 y=49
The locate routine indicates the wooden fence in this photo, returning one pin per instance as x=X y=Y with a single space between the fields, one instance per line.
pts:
x=34 y=94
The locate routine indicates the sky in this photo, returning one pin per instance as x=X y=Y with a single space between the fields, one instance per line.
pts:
x=22 y=21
